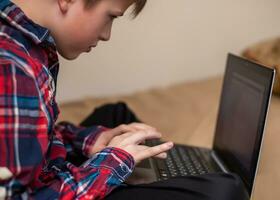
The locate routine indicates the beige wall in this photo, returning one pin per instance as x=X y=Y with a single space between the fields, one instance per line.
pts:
x=171 y=41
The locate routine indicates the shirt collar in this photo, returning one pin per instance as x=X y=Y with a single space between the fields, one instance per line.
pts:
x=13 y=15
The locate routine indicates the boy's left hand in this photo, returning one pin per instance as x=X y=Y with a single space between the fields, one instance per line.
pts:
x=105 y=137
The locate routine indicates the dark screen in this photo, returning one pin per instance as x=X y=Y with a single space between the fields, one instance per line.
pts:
x=240 y=119
x=242 y=114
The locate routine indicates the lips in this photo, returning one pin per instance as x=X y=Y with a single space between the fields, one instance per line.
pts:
x=90 y=47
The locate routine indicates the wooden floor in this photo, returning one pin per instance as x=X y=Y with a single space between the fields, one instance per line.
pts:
x=186 y=113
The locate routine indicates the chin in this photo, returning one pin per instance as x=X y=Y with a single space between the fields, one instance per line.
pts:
x=68 y=55
x=71 y=57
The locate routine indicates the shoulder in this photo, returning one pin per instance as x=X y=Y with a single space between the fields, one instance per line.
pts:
x=16 y=67
x=14 y=49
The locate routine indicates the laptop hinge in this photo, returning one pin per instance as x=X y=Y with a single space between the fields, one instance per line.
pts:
x=219 y=162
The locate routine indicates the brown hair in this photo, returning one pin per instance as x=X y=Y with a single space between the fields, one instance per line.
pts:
x=138 y=5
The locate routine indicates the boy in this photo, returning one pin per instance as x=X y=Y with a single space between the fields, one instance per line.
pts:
x=33 y=162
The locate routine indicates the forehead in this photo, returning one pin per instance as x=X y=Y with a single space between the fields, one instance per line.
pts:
x=118 y=5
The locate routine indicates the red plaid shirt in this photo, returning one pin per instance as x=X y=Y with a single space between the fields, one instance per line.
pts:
x=33 y=149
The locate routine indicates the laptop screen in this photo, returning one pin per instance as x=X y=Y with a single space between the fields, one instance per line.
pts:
x=242 y=113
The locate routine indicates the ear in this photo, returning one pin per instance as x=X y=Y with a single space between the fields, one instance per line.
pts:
x=64 y=5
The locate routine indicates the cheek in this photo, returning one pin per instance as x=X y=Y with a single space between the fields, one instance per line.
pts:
x=77 y=34
x=86 y=34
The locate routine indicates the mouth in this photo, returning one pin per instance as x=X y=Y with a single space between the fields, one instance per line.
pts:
x=90 y=47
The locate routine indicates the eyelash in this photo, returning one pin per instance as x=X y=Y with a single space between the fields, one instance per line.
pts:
x=113 y=17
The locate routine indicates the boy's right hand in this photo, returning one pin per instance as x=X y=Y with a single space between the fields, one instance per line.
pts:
x=132 y=142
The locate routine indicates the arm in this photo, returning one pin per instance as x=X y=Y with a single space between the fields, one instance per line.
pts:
x=23 y=129
x=79 y=139
x=23 y=144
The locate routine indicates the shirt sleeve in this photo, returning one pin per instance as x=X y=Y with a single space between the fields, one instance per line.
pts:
x=77 y=138
x=23 y=129
x=96 y=178
x=23 y=146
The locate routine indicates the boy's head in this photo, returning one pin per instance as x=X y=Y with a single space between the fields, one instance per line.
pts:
x=82 y=23
x=78 y=25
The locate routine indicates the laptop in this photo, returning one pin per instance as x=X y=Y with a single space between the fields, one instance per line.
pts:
x=244 y=103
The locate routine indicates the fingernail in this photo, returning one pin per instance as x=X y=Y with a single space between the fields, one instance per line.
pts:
x=170 y=144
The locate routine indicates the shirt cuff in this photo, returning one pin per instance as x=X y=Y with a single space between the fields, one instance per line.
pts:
x=91 y=139
x=120 y=162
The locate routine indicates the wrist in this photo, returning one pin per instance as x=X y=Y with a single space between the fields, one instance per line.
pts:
x=89 y=142
x=115 y=158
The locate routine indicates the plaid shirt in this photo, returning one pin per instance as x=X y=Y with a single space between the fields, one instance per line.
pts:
x=33 y=149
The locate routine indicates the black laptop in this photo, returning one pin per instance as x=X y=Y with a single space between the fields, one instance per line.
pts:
x=243 y=109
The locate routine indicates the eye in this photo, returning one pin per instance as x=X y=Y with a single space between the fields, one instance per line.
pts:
x=113 y=17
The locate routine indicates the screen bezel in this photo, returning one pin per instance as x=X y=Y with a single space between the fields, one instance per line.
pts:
x=260 y=74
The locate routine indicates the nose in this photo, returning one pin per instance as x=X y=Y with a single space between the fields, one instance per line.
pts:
x=106 y=33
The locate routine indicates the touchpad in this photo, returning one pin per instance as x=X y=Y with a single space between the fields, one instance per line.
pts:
x=143 y=173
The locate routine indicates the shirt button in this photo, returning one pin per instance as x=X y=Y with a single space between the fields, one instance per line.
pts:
x=124 y=168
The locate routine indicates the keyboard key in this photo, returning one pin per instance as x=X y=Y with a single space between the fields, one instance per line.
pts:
x=183 y=161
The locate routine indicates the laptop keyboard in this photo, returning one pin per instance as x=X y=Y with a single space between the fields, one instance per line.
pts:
x=183 y=161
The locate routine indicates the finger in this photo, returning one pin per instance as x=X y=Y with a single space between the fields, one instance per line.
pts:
x=161 y=155
x=140 y=136
x=142 y=126
x=145 y=127
x=155 y=150
x=123 y=128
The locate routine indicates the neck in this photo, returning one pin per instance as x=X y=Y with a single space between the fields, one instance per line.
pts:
x=34 y=10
